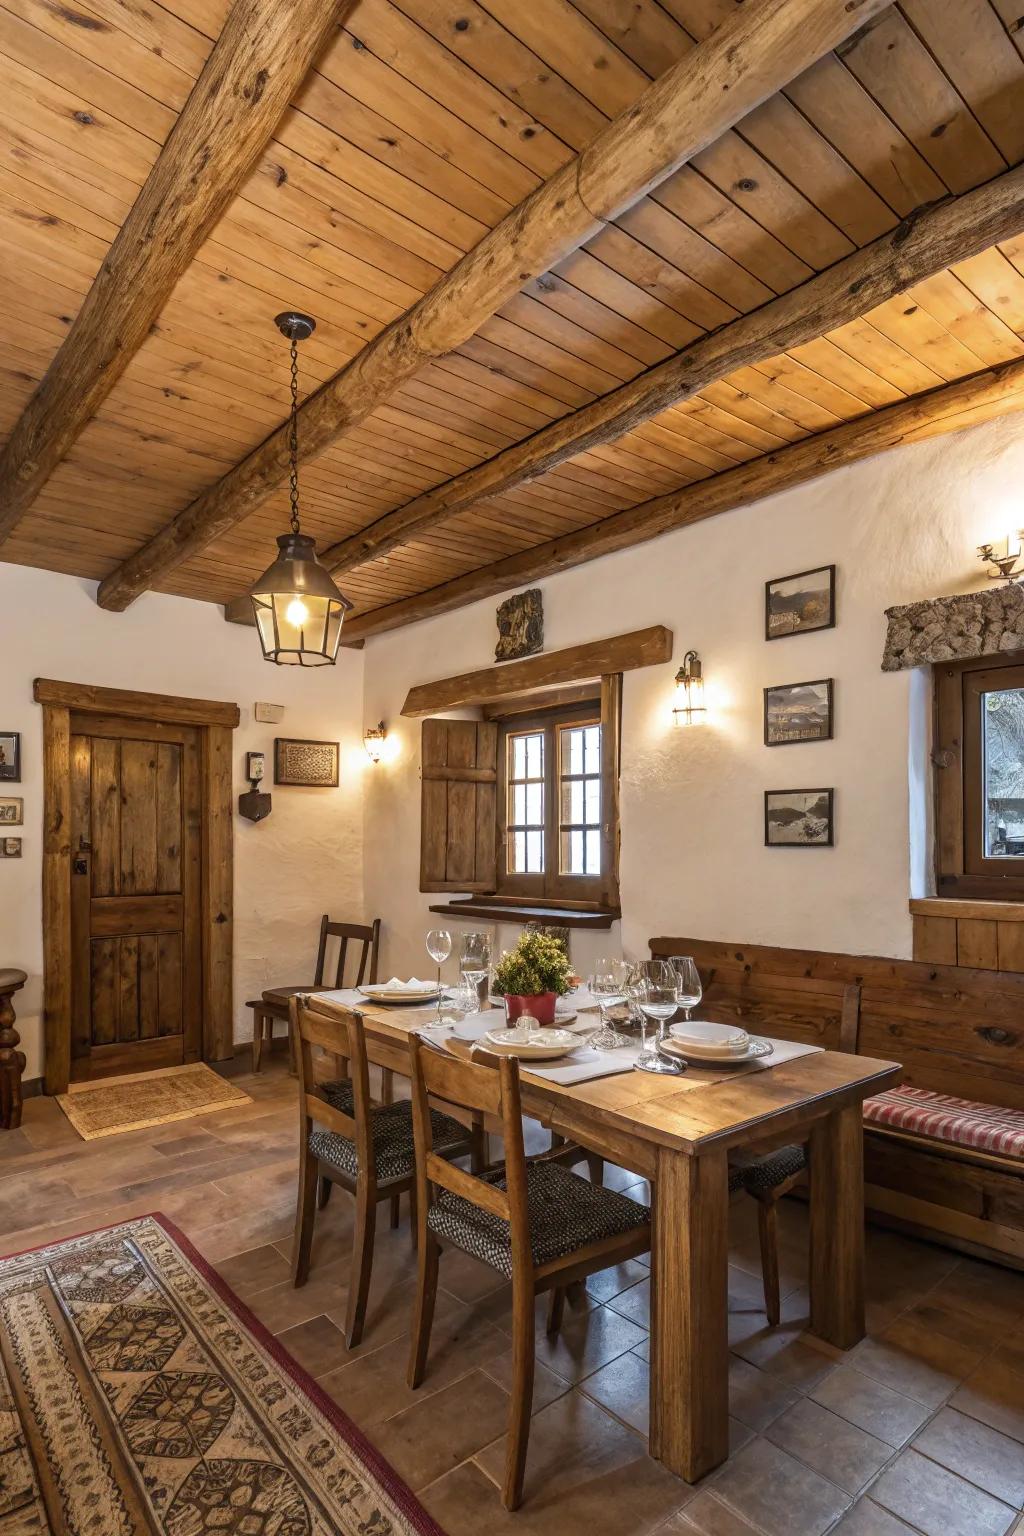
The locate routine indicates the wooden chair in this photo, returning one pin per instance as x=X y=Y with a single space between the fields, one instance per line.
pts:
x=767 y=1178
x=534 y=1221
x=344 y=1138
x=275 y=1000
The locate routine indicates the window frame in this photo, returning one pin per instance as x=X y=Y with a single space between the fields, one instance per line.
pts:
x=552 y=886
x=961 y=868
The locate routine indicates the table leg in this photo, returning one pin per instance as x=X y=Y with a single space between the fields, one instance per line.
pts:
x=689 y=1291
x=837 y=1227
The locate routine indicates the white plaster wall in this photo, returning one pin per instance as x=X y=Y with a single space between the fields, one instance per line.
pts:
x=899 y=527
x=304 y=859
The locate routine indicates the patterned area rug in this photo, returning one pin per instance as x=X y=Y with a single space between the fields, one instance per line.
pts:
x=137 y=1100
x=138 y=1397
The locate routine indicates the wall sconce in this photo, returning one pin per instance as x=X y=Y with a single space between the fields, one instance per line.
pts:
x=374 y=740
x=1006 y=562
x=689 y=706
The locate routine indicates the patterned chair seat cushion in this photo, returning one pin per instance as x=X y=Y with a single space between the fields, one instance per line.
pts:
x=393 y=1145
x=760 y=1175
x=939 y=1116
x=565 y=1213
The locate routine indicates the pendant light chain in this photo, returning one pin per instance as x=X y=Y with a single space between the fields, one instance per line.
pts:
x=293 y=439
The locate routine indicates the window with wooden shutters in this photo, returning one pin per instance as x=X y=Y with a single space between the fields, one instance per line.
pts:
x=460 y=770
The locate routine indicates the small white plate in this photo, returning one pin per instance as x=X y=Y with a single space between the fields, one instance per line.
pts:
x=415 y=999
x=540 y=1045
x=755 y=1050
x=696 y=1032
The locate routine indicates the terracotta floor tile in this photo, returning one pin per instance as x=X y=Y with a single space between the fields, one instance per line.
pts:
x=709 y=1517
x=995 y=1395
x=255 y=1270
x=587 y=1342
x=982 y=1455
x=428 y=1439
x=869 y=1519
x=846 y=1455
x=937 y=1502
x=923 y=1365
x=986 y=1290
x=318 y=1345
x=789 y=1353
x=777 y=1493
x=755 y=1398
x=624 y=1388
x=872 y=1406
x=635 y=1303
x=611 y=1282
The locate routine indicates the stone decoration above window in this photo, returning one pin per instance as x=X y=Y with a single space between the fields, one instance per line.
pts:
x=953 y=628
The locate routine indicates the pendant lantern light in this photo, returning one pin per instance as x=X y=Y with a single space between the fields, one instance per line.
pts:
x=299 y=610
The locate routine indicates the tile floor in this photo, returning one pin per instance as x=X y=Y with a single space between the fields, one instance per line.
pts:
x=918 y=1429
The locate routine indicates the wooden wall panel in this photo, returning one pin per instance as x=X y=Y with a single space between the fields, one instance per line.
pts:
x=976 y=943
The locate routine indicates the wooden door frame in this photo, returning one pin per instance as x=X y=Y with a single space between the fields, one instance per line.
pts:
x=215 y=721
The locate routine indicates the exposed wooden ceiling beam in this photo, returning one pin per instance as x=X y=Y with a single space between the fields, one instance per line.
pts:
x=922 y=245
x=255 y=67
x=760 y=48
x=992 y=392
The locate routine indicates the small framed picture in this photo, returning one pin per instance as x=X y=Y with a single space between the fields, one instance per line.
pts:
x=255 y=765
x=798 y=712
x=799 y=818
x=10 y=757
x=311 y=764
x=10 y=847
x=11 y=811
x=795 y=604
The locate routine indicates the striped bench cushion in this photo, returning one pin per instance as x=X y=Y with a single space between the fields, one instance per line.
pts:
x=963 y=1122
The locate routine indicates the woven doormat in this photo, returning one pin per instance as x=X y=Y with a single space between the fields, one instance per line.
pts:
x=131 y=1103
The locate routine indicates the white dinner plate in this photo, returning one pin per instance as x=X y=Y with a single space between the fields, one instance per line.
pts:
x=540 y=1045
x=384 y=995
x=755 y=1050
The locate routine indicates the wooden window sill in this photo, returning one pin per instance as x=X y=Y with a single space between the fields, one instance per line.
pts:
x=948 y=906
x=505 y=911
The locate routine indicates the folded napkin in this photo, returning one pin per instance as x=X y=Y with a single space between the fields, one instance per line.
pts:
x=583 y=1065
x=395 y=985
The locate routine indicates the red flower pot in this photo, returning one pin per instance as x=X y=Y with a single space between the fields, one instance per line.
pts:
x=542 y=1006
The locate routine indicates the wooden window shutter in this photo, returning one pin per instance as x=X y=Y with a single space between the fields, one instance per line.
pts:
x=458 y=832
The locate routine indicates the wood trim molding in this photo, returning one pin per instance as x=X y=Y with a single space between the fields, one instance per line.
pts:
x=758 y=48
x=216 y=722
x=87 y=697
x=994 y=911
x=576 y=664
x=948 y=408
x=251 y=74
x=925 y=243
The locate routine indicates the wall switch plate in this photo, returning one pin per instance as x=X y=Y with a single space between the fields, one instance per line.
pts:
x=268 y=714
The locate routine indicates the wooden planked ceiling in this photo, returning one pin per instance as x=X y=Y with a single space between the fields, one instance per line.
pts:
x=424 y=122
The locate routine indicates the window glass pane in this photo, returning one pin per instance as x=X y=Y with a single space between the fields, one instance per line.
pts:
x=576 y=864
x=593 y=749
x=535 y=805
x=535 y=756
x=594 y=853
x=519 y=757
x=1003 y=749
x=519 y=805
x=575 y=751
x=518 y=852
x=575 y=788
x=534 y=853
x=593 y=798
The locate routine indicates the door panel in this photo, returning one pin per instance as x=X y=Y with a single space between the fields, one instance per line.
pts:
x=136 y=859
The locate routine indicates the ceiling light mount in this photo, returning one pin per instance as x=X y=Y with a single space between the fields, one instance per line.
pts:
x=293 y=324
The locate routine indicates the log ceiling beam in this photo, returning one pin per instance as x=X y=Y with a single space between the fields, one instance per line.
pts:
x=991 y=392
x=759 y=49
x=927 y=242
x=254 y=69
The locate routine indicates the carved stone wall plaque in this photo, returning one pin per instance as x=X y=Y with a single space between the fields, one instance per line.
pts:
x=520 y=626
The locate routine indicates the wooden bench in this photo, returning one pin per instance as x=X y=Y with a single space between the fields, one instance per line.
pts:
x=956 y=1031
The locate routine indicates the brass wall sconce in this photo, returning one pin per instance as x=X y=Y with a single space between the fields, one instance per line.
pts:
x=689 y=706
x=374 y=741
x=1007 y=561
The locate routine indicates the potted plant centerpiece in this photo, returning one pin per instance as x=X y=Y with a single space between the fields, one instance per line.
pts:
x=532 y=977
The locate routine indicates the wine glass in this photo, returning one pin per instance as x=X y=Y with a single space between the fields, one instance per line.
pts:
x=439 y=947
x=608 y=985
x=475 y=960
x=688 y=979
x=655 y=990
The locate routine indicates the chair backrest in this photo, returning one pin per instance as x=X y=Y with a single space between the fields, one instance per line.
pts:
x=366 y=935
x=340 y=1032
x=488 y=1086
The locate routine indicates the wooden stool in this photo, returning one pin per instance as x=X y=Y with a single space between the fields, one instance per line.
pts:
x=12 y=1061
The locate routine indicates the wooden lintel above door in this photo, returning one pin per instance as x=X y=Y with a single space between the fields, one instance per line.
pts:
x=124 y=701
x=576 y=664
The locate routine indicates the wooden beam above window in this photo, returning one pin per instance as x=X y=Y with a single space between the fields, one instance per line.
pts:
x=576 y=664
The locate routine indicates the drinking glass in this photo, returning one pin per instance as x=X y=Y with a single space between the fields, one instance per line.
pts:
x=439 y=947
x=608 y=985
x=688 y=981
x=654 y=988
x=475 y=960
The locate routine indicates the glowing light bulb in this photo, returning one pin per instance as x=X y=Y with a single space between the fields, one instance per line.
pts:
x=298 y=613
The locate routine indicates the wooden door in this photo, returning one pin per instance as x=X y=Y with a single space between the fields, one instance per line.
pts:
x=136 y=876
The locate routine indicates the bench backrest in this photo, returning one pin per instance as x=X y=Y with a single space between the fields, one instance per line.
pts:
x=954 y=1029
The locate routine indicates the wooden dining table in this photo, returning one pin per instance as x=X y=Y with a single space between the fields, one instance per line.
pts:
x=678 y=1133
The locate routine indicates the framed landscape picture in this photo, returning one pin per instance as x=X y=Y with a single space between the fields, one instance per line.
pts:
x=799 y=818
x=311 y=764
x=795 y=604
x=11 y=811
x=10 y=757
x=798 y=712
